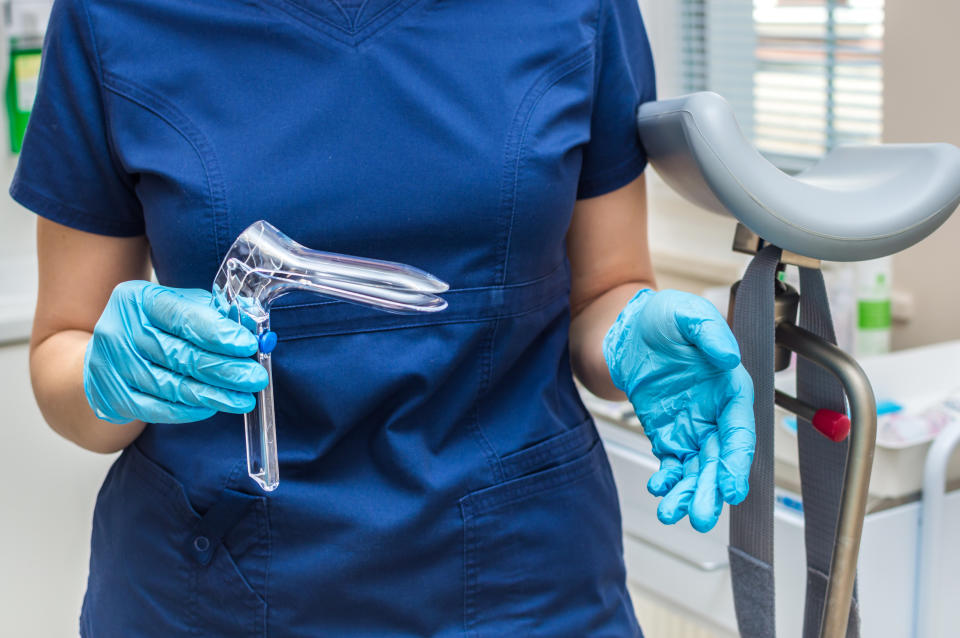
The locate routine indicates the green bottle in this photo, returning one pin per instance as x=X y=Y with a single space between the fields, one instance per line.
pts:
x=21 y=86
x=874 y=306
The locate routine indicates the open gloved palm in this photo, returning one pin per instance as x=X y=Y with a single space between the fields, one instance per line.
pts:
x=674 y=356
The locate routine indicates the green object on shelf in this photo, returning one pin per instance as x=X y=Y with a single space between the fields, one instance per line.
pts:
x=21 y=89
x=874 y=315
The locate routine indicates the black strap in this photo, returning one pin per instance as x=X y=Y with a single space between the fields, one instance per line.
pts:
x=822 y=461
x=751 y=522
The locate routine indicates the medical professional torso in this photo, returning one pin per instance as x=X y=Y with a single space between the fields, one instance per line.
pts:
x=439 y=475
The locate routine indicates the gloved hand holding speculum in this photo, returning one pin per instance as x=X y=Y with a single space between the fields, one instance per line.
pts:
x=674 y=356
x=164 y=355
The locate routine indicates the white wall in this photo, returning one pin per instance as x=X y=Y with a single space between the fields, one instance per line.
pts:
x=922 y=104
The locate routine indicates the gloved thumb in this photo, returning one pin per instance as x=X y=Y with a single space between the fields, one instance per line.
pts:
x=703 y=326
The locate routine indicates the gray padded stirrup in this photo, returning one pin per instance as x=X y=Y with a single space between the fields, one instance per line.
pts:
x=822 y=462
x=751 y=522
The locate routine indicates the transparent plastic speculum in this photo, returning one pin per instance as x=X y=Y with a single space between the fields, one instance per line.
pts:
x=262 y=265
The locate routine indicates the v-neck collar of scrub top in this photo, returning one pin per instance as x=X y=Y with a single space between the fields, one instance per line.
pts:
x=335 y=20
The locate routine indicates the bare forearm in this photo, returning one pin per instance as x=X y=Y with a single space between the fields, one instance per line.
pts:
x=56 y=370
x=587 y=330
x=609 y=262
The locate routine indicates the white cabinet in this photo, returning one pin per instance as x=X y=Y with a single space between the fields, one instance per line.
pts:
x=49 y=488
x=689 y=570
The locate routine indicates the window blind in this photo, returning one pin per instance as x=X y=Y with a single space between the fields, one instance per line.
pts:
x=802 y=75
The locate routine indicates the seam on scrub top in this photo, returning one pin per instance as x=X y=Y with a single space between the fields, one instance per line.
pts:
x=545 y=300
x=486 y=374
x=469 y=568
x=262 y=517
x=508 y=196
x=516 y=285
x=558 y=299
x=339 y=7
x=230 y=478
x=268 y=563
x=597 y=49
x=591 y=183
x=359 y=25
x=351 y=30
x=558 y=449
x=489 y=500
x=387 y=13
x=53 y=206
x=313 y=22
x=318 y=22
x=107 y=127
x=363 y=7
x=515 y=147
x=173 y=495
x=168 y=112
x=590 y=186
x=165 y=484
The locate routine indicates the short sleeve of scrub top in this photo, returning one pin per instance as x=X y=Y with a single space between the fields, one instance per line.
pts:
x=68 y=172
x=625 y=79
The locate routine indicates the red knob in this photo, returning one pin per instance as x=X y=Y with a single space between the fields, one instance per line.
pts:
x=833 y=425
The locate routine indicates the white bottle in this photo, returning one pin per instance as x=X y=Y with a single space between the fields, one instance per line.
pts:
x=874 y=315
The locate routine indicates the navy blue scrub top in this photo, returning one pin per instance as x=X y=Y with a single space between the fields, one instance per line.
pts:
x=439 y=475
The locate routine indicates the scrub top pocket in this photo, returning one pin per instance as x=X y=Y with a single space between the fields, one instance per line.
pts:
x=160 y=568
x=543 y=553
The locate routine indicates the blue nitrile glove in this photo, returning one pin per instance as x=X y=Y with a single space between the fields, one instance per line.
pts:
x=678 y=362
x=164 y=355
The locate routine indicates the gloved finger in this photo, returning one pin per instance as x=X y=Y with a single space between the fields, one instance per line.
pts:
x=700 y=323
x=738 y=438
x=151 y=409
x=198 y=323
x=707 y=504
x=669 y=474
x=676 y=503
x=231 y=311
x=173 y=353
x=165 y=384
x=196 y=295
x=107 y=394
